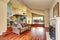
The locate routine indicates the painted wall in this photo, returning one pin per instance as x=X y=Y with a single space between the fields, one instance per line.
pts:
x=18 y=7
x=29 y=16
x=47 y=18
x=3 y=16
x=9 y=10
x=58 y=28
x=59 y=7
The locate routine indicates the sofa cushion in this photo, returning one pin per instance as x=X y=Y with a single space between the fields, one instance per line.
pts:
x=23 y=24
x=15 y=30
x=19 y=26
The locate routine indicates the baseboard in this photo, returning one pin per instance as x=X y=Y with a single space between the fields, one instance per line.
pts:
x=1 y=33
x=47 y=29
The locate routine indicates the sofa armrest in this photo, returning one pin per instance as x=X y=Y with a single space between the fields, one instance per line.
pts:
x=15 y=30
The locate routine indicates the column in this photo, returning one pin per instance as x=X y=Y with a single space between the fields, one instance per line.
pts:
x=3 y=16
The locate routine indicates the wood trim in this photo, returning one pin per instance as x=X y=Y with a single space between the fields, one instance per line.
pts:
x=58 y=8
x=37 y=25
x=47 y=29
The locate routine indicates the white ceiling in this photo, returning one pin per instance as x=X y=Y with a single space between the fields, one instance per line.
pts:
x=38 y=4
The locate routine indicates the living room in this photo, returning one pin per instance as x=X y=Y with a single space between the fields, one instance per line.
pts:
x=21 y=12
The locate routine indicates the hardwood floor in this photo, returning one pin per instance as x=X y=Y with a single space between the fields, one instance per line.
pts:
x=47 y=29
x=36 y=33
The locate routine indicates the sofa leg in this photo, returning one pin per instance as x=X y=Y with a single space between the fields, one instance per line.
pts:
x=20 y=30
x=29 y=28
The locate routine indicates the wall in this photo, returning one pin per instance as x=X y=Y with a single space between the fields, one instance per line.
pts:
x=9 y=10
x=47 y=18
x=3 y=16
x=18 y=7
x=29 y=16
x=58 y=28
x=59 y=7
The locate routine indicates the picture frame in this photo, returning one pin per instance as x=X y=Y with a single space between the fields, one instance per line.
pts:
x=56 y=10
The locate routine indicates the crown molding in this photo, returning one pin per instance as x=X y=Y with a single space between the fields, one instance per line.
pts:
x=5 y=1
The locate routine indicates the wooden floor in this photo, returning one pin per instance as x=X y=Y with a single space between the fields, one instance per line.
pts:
x=36 y=33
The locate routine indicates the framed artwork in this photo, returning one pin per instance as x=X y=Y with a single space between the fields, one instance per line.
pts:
x=56 y=10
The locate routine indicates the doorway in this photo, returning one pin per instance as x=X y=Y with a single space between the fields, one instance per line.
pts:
x=38 y=20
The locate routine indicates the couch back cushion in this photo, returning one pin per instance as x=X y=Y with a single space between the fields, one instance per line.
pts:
x=23 y=24
x=19 y=26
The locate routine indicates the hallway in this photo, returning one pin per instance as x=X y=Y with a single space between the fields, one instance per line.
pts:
x=36 y=33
